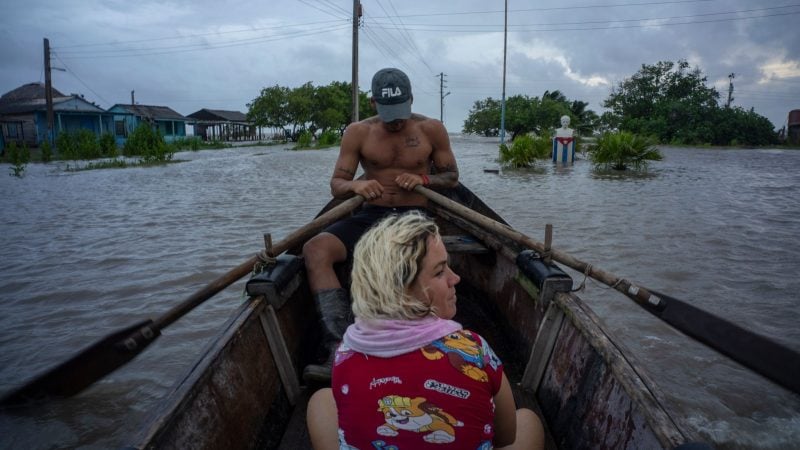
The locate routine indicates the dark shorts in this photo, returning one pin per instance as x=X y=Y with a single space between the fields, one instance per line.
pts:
x=350 y=229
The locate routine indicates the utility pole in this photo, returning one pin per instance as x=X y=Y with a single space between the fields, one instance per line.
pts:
x=442 y=95
x=730 y=89
x=503 y=101
x=356 y=23
x=48 y=90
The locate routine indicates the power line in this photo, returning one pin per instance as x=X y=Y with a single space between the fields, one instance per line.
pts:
x=120 y=53
x=72 y=72
x=198 y=35
x=524 y=27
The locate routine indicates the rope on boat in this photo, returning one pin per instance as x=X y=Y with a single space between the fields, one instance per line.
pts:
x=264 y=262
x=586 y=273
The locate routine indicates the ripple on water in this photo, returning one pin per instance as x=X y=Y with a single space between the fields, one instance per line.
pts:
x=86 y=253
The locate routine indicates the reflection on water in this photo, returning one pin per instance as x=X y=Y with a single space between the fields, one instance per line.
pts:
x=84 y=254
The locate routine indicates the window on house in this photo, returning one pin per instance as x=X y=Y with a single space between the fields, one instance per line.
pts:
x=119 y=128
x=14 y=130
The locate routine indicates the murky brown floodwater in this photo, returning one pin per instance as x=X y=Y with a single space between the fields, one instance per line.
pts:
x=83 y=254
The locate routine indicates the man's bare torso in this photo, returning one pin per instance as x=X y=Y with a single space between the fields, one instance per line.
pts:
x=385 y=154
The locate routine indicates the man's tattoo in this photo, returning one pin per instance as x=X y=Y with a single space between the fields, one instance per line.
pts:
x=349 y=172
x=412 y=141
x=447 y=168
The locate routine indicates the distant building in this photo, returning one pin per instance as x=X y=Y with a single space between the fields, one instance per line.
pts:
x=220 y=125
x=127 y=117
x=793 y=126
x=23 y=115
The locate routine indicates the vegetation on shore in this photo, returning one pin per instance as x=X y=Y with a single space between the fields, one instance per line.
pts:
x=145 y=146
x=308 y=108
x=666 y=103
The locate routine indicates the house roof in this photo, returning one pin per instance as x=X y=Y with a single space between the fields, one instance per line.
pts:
x=31 y=98
x=150 y=111
x=28 y=91
x=219 y=115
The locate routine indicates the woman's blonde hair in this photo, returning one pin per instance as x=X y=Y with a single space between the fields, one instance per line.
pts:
x=386 y=261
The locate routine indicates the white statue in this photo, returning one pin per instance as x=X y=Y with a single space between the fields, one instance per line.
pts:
x=565 y=130
x=564 y=143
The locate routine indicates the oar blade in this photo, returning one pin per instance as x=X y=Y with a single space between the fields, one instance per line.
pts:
x=88 y=366
x=759 y=353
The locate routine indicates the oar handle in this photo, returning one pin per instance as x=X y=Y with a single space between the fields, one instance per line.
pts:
x=296 y=237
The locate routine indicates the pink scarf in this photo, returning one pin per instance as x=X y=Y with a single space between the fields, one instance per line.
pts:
x=386 y=338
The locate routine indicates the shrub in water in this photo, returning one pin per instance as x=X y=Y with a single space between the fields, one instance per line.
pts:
x=108 y=145
x=623 y=149
x=47 y=151
x=328 y=139
x=525 y=150
x=148 y=144
x=18 y=157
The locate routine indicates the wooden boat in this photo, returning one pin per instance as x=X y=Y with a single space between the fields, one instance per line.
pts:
x=245 y=391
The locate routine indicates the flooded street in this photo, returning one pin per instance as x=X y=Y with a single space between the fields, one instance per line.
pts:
x=83 y=254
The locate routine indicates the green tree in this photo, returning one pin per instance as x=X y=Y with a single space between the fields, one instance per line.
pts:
x=483 y=118
x=269 y=109
x=332 y=106
x=526 y=114
x=668 y=100
x=300 y=107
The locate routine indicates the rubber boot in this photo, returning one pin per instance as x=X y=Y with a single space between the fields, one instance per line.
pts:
x=335 y=314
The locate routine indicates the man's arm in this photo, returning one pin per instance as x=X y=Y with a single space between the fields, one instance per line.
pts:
x=444 y=161
x=342 y=183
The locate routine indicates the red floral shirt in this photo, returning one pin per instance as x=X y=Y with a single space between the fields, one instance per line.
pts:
x=439 y=396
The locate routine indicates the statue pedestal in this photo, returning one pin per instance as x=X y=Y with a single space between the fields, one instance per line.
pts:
x=563 y=150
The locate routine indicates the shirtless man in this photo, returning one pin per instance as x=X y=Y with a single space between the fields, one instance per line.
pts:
x=396 y=150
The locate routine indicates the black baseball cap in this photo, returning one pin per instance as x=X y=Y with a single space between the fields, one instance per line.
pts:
x=391 y=91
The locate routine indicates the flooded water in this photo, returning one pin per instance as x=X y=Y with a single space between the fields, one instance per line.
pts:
x=83 y=254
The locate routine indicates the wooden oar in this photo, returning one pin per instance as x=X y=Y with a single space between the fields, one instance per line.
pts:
x=763 y=355
x=116 y=349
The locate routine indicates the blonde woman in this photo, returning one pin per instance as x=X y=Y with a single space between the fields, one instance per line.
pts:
x=406 y=375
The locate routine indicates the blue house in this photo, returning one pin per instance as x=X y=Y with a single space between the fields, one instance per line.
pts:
x=23 y=115
x=127 y=117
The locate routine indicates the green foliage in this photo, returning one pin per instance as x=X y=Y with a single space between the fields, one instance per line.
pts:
x=526 y=114
x=108 y=145
x=307 y=107
x=47 y=151
x=195 y=143
x=328 y=139
x=622 y=150
x=484 y=118
x=18 y=157
x=78 y=144
x=672 y=102
x=304 y=141
x=148 y=144
x=525 y=150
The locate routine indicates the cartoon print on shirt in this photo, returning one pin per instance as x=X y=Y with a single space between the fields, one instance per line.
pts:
x=343 y=445
x=418 y=415
x=464 y=353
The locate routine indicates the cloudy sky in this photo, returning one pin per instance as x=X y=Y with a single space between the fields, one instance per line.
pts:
x=218 y=54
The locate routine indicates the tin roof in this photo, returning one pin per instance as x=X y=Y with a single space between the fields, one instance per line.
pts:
x=150 y=111
x=219 y=115
x=31 y=98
